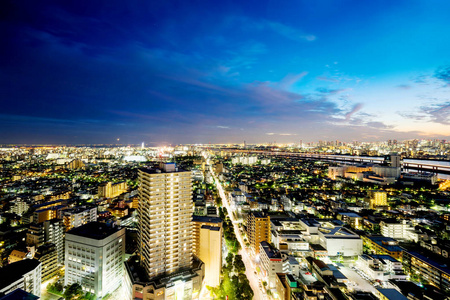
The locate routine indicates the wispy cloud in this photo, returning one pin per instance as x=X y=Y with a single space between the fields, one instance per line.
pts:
x=404 y=86
x=265 y=25
x=439 y=113
x=288 y=81
x=330 y=91
x=288 y=32
x=357 y=107
x=443 y=74
x=323 y=78
x=281 y=134
x=378 y=125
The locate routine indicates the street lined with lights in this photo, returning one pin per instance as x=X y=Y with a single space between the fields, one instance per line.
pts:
x=246 y=257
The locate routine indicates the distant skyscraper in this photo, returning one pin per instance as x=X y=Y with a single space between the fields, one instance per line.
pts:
x=165 y=213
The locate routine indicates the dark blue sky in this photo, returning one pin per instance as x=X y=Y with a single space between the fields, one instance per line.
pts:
x=223 y=71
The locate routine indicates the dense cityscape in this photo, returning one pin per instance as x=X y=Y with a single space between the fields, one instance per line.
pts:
x=224 y=150
x=217 y=222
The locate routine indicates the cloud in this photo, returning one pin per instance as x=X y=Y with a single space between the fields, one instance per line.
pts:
x=443 y=74
x=290 y=79
x=357 y=107
x=329 y=91
x=289 y=32
x=281 y=134
x=378 y=125
x=404 y=86
x=323 y=78
x=223 y=127
x=264 y=25
x=439 y=113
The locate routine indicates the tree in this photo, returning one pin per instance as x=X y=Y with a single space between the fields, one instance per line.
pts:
x=73 y=291
x=239 y=265
x=58 y=286
x=229 y=259
x=243 y=289
x=88 y=296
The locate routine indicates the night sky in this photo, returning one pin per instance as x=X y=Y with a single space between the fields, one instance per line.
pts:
x=168 y=72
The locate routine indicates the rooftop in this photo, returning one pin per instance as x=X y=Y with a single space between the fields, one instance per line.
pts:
x=270 y=252
x=165 y=168
x=392 y=294
x=19 y=294
x=213 y=228
x=95 y=230
x=205 y=219
x=13 y=272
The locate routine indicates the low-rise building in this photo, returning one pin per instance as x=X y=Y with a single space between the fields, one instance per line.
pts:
x=400 y=230
x=351 y=218
x=79 y=216
x=340 y=241
x=24 y=274
x=381 y=267
x=390 y=294
x=383 y=245
x=211 y=253
x=183 y=284
x=434 y=271
x=272 y=262
x=48 y=257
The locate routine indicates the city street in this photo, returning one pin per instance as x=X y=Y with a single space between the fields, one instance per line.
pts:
x=246 y=257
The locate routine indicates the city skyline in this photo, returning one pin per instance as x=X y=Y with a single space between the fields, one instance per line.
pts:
x=179 y=72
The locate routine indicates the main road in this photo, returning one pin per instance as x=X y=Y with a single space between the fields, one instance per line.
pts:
x=250 y=269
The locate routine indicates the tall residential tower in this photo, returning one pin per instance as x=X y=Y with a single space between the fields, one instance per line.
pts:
x=165 y=214
x=166 y=268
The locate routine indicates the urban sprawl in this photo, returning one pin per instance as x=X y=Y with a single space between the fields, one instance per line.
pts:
x=326 y=220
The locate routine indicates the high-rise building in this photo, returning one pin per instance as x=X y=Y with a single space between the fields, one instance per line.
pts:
x=166 y=268
x=258 y=229
x=95 y=254
x=165 y=214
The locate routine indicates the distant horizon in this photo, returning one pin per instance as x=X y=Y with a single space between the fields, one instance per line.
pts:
x=207 y=72
x=166 y=144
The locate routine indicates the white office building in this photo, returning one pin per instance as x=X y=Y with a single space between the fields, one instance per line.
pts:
x=94 y=256
x=340 y=241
